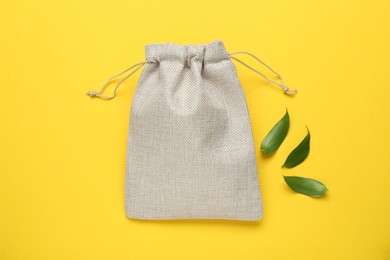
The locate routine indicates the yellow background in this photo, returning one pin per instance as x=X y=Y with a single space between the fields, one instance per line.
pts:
x=63 y=153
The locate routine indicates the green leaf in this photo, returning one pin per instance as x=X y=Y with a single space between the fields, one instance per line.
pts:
x=299 y=154
x=306 y=186
x=276 y=136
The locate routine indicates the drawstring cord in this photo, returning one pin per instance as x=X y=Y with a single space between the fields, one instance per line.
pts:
x=137 y=66
x=286 y=90
x=99 y=94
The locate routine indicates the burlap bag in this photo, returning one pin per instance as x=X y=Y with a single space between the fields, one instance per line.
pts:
x=190 y=150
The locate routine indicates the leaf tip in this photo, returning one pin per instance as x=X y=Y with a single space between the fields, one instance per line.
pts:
x=307 y=129
x=264 y=150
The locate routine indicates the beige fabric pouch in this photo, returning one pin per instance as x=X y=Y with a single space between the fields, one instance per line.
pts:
x=190 y=150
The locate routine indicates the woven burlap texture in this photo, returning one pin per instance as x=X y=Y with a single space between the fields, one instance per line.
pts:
x=190 y=150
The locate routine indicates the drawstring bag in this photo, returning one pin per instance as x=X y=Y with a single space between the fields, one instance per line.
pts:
x=190 y=150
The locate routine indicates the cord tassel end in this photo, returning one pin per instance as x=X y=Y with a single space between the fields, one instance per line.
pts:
x=92 y=93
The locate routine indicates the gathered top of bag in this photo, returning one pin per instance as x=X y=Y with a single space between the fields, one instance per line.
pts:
x=207 y=53
x=188 y=54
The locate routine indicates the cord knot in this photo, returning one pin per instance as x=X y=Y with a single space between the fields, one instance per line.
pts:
x=92 y=93
x=288 y=91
